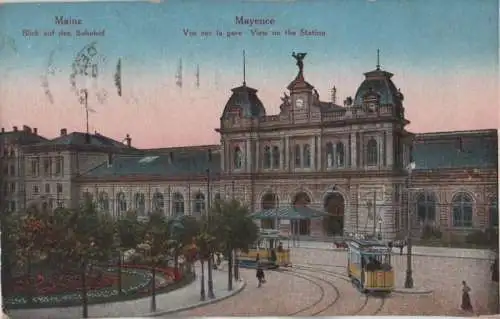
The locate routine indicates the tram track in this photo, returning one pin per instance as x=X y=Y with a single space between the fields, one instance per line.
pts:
x=371 y=305
x=323 y=296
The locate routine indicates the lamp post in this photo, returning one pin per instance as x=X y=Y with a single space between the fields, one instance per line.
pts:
x=211 y=294
x=409 y=277
x=380 y=228
x=84 y=288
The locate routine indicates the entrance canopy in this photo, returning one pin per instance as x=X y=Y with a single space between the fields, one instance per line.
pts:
x=289 y=213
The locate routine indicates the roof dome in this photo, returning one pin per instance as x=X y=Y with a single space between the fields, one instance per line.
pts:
x=244 y=101
x=378 y=82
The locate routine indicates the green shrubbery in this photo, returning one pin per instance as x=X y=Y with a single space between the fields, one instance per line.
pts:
x=487 y=238
x=431 y=233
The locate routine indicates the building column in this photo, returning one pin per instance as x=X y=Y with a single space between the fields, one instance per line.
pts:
x=286 y=152
x=283 y=153
x=313 y=153
x=248 y=155
x=320 y=153
x=353 y=150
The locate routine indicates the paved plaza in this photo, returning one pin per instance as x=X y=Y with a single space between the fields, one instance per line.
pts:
x=318 y=285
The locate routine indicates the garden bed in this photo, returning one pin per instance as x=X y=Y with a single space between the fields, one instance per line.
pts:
x=136 y=283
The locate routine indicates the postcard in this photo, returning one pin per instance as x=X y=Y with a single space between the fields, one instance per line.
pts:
x=249 y=158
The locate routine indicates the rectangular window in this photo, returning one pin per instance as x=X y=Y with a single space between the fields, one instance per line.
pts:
x=35 y=166
x=59 y=188
x=46 y=166
x=12 y=205
x=12 y=187
x=47 y=188
x=36 y=189
x=59 y=165
x=12 y=170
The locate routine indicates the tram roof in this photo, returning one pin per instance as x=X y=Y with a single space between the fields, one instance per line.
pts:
x=368 y=246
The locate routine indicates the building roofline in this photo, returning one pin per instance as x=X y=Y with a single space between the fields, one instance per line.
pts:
x=459 y=133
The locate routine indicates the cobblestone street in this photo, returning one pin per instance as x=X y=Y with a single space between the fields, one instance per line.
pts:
x=318 y=285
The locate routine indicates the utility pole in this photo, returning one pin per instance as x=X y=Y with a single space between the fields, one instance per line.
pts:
x=374 y=213
x=409 y=276
x=211 y=294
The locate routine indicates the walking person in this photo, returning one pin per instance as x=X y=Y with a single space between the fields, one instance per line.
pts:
x=466 y=303
x=260 y=275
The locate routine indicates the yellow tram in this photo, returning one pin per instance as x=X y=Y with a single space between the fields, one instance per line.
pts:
x=270 y=249
x=369 y=265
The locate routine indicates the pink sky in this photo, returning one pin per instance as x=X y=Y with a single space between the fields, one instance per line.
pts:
x=157 y=114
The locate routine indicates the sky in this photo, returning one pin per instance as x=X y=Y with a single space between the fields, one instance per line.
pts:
x=444 y=57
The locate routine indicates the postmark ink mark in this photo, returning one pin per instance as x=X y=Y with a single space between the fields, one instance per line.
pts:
x=86 y=69
x=118 y=77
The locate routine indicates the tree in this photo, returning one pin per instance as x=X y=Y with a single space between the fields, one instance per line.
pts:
x=233 y=229
x=157 y=238
x=204 y=243
x=90 y=238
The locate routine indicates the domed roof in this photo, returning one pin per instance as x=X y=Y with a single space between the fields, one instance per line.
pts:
x=378 y=82
x=246 y=101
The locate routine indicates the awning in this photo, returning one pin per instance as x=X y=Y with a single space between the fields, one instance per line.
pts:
x=289 y=213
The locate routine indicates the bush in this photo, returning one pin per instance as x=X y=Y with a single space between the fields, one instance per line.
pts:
x=487 y=238
x=431 y=232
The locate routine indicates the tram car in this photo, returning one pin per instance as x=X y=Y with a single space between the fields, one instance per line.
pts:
x=270 y=250
x=369 y=265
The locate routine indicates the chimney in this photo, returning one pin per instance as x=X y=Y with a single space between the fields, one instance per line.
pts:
x=35 y=131
x=15 y=128
x=128 y=140
x=171 y=157
x=26 y=128
x=64 y=132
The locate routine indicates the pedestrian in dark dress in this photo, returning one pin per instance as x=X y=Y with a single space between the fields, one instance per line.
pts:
x=260 y=275
x=494 y=270
x=466 y=303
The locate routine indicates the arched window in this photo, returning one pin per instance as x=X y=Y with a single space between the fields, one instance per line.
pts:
x=426 y=207
x=267 y=156
x=329 y=154
x=178 y=201
x=121 y=203
x=103 y=202
x=339 y=154
x=276 y=157
x=158 y=203
x=199 y=203
x=372 y=152
x=462 y=210
x=140 y=204
x=237 y=158
x=494 y=212
x=307 y=155
x=217 y=197
x=298 y=162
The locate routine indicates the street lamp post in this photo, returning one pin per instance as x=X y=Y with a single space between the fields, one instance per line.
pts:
x=409 y=277
x=379 y=228
x=84 y=288
x=211 y=294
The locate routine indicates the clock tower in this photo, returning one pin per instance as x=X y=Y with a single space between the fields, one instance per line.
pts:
x=301 y=92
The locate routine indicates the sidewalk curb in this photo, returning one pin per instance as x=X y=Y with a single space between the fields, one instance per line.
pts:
x=412 y=291
x=199 y=304
x=404 y=254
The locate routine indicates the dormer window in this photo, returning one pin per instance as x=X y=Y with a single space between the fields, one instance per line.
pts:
x=329 y=154
x=307 y=155
x=339 y=154
x=237 y=158
x=297 y=156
